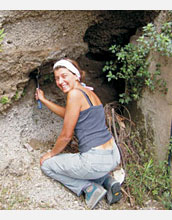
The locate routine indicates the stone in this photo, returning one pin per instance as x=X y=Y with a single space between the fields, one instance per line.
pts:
x=36 y=37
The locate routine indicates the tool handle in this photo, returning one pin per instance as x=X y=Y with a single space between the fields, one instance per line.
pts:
x=39 y=104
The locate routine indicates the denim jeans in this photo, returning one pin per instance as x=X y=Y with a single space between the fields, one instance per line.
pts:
x=79 y=170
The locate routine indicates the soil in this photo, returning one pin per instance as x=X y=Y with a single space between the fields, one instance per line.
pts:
x=27 y=133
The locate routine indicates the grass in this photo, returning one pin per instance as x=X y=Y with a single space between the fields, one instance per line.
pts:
x=12 y=200
x=148 y=178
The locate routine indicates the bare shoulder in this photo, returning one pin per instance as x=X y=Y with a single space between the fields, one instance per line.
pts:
x=74 y=94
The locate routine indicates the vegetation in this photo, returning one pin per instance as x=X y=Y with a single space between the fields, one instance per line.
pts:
x=132 y=62
x=48 y=78
x=146 y=179
x=4 y=100
x=1 y=37
x=19 y=94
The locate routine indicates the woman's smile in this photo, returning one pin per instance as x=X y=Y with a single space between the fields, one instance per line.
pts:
x=65 y=80
x=64 y=86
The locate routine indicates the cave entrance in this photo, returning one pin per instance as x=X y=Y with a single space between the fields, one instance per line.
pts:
x=44 y=73
x=115 y=27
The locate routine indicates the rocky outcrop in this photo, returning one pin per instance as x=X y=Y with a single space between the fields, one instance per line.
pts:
x=153 y=112
x=36 y=38
x=114 y=27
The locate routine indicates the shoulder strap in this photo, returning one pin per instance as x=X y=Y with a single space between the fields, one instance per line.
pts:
x=86 y=96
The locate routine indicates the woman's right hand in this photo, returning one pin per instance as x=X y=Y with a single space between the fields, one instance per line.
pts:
x=39 y=95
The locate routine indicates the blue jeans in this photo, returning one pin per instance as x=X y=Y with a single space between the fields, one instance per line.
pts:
x=79 y=170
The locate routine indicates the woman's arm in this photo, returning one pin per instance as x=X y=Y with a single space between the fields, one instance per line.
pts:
x=72 y=112
x=57 y=109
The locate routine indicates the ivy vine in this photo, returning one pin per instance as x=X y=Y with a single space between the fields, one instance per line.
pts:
x=131 y=62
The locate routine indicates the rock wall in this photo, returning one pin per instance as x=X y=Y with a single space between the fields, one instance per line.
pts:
x=153 y=113
x=157 y=111
x=115 y=27
x=35 y=38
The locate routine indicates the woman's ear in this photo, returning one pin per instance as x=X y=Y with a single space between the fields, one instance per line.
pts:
x=77 y=78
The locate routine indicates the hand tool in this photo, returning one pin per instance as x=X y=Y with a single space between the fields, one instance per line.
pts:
x=37 y=86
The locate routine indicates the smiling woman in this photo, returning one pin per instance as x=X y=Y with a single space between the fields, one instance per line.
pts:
x=65 y=80
x=87 y=171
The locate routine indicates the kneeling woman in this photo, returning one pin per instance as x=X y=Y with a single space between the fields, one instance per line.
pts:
x=87 y=171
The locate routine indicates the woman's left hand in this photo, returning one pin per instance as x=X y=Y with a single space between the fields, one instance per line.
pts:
x=45 y=157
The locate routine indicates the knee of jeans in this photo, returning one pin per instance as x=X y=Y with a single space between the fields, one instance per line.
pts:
x=45 y=167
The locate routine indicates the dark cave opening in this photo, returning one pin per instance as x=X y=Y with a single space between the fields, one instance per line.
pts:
x=115 y=28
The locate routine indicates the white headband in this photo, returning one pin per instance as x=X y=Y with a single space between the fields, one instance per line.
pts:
x=69 y=66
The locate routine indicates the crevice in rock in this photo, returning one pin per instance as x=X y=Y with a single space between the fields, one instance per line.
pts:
x=114 y=27
x=44 y=73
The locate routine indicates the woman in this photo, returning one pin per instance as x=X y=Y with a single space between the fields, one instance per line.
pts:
x=87 y=171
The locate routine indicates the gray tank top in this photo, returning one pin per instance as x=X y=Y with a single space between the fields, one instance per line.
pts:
x=91 y=129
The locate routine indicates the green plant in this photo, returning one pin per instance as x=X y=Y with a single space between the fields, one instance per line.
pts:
x=146 y=178
x=48 y=78
x=11 y=199
x=19 y=94
x=24 y=92
x=2 y=34
x=132 y=63
x=4 y=100
x=149 y=180
x=16 y=96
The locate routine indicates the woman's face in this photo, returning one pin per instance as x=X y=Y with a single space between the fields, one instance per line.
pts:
x=65 y=80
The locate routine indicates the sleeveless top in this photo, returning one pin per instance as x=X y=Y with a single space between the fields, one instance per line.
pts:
x=91 y=129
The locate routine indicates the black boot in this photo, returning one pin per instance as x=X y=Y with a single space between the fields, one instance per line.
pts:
x=113 y=190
